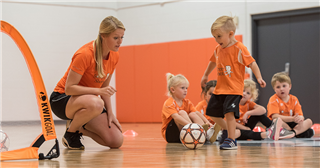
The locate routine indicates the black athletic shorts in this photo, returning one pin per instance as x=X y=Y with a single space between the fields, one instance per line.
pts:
x=58 y=103
x=219 y=105
x=172 y=132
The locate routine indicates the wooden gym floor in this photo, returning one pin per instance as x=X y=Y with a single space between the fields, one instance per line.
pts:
x=149 y=149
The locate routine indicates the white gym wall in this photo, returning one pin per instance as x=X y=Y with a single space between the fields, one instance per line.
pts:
x=54 y=31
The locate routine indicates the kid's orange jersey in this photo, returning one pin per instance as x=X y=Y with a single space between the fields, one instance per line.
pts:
x=83 y=63
x=202 y=108
x=249 y=105
x=170 y=107
x=231 y=63
x=277 y=106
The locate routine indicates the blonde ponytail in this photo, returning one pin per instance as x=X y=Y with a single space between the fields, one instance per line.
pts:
x=98 y=57
x=107 y=26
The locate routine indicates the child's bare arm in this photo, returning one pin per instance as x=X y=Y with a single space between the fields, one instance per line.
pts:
x=256 y=71
x=209 y=69
x=284 y=118
x=298 y=118
x=242 y=127
x=257 y=110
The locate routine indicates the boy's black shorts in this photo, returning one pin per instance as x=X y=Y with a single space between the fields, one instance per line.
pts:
x=219 y=105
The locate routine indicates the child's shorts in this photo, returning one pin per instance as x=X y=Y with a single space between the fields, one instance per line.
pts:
x=172 y=132
x=306 y=134
x=219 y=105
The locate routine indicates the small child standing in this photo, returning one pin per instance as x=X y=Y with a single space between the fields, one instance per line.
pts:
x=178 y=111
x=287 y=107
x=252 y=113
x=231 y=57
x=202 y=107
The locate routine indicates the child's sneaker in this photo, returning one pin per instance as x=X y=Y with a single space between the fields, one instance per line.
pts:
x=307 y=134
x=213 y=132
x=205 y=127
x=219 y=135
x=229 y=144
x=286 y=134
x=224 y=135
x=274 y=129
x=71 y=140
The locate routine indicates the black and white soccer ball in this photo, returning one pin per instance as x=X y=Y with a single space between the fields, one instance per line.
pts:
x=192 y=136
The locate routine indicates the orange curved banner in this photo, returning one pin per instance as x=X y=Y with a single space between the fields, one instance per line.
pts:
x=23 y=153
x=48 y=129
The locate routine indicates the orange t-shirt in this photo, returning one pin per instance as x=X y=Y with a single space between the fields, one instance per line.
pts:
x=249 y=105
x=170 y=107
x=83 y=63
x=202 y=108
x=231 y=63
x=277 y=106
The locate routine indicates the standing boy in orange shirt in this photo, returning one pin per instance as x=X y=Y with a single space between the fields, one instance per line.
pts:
x=287 y=107
x=231 y=57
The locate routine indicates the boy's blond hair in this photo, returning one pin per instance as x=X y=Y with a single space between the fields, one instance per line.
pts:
x=224 y=22
x=248 y=83
x=280 y=77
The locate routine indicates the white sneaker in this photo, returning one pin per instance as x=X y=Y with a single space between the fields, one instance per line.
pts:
x=219 y=135
x=213 y=132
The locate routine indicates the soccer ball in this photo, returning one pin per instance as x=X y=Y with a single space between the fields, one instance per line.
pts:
x=192 y=136
x=4 y=141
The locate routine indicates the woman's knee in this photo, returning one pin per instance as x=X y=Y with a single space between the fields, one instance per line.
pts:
x=94 y=105
x=117 y=143
x=114 y=140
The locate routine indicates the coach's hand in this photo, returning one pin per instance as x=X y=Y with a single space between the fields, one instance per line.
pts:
x=108 y=91
x=113 y=119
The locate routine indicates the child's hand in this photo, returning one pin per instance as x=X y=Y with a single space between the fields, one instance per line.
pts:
x=204 y=80
x=262 y=82
x=245 y=118
x=298 y=118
